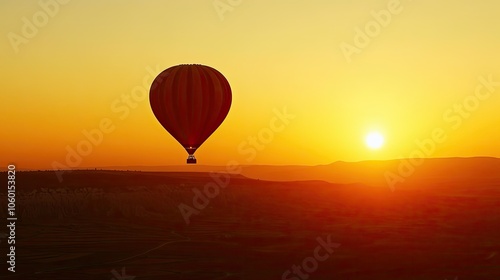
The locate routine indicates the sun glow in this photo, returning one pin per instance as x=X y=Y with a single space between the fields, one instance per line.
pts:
x=374 y=140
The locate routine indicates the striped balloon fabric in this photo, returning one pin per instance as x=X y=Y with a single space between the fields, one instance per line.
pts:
x=190 y=101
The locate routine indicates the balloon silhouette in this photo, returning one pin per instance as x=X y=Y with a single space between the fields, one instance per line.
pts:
x=190 y=101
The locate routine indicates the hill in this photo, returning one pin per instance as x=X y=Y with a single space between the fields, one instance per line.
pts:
x=433 y=172
x=179 y=225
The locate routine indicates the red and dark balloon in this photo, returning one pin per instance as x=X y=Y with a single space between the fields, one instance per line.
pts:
x=190 y=101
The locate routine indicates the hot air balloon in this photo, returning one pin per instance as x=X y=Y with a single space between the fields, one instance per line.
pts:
x=190 y=101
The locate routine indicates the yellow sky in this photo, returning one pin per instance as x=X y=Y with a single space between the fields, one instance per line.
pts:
x=67 y=66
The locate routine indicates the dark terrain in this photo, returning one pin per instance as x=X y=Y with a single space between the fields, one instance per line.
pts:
x=96 y=223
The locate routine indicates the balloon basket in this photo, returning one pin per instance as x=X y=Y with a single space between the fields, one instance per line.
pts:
x=191 y=159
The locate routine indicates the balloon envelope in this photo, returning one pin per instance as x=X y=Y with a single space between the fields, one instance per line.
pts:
x=190 y=101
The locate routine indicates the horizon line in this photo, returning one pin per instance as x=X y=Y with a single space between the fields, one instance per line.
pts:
x=119 y=167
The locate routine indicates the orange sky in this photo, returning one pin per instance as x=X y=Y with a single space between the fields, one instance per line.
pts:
x=340 y=68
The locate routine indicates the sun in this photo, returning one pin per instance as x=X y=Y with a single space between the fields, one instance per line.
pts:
x=374 y=140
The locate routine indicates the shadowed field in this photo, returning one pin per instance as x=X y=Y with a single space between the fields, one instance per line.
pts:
x=96 y=223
